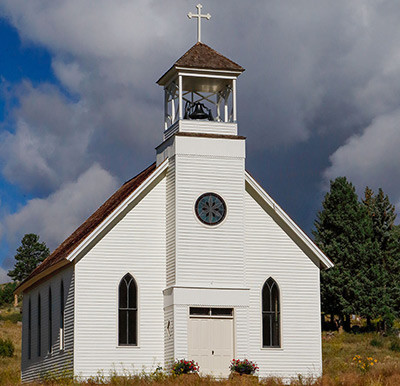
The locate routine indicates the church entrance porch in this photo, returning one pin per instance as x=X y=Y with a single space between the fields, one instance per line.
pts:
x=211 y=339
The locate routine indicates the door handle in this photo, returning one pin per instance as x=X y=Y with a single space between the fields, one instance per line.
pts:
x=212 y=352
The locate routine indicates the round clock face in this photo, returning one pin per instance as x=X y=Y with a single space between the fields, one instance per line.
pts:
x=210 y=208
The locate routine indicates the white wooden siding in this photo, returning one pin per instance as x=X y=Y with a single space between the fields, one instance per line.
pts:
x=241 y=332
x=169 y=336
x=270 y=252
x=58 y=362
x=204 y=253
x=171 y=223
x=181 y=317
x=136 y=244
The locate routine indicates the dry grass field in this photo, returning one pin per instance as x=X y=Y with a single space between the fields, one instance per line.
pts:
x=342 y=366
x=9 y=367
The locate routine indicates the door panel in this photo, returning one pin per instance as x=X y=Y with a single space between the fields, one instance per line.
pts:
x=210 y=342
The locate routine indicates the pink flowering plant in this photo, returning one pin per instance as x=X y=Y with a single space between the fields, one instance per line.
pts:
x=185 y=367
x=243 y=366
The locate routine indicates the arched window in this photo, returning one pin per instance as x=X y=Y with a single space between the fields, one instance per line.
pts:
x=270 y=314
x=62 y=319
x=127 y=311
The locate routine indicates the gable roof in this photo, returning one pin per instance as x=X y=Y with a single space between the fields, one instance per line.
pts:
x=289 y=226
x=61 y=253
x=203 y=56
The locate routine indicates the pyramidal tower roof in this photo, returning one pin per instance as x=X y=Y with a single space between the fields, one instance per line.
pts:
x=202 y=56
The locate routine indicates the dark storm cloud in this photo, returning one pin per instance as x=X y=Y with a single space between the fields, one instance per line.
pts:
x=317 y=73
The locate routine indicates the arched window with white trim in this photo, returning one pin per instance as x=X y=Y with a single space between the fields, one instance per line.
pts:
x=127 y=311
x=270 y=314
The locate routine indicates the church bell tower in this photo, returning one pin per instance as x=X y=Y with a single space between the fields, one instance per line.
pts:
x=200 y=91
x=206 y=171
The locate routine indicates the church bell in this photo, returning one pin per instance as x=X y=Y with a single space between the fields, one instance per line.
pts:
x=196 y=110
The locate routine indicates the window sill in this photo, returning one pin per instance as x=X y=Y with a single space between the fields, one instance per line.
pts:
x=128 y=346
x=272 y=348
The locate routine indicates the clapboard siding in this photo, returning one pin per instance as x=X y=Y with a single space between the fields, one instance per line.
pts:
x=171 y=223
x=204 y=252
x=181 y=318
x=58 y=362
x=270 y=252
x=169 y=335
x=136 y=244
x=241 y=332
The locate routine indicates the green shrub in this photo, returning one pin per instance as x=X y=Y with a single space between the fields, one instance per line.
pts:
x=376 y=342
x=395 y=345
x=12 y=317
x=6 y=348
x=7 y=294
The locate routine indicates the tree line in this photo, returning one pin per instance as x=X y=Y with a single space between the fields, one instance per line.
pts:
x=361 y=238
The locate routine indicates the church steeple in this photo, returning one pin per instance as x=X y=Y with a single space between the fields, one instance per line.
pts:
x=200 y=92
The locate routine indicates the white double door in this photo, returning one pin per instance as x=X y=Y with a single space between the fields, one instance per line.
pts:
x=210 y=343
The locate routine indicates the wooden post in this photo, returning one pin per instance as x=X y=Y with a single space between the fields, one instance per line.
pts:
x=180 y=97
x=165 y=109
x=172 y=110
x=234 y=100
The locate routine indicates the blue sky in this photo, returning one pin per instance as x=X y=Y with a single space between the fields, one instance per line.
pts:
x=16 y=63
x=80 y=112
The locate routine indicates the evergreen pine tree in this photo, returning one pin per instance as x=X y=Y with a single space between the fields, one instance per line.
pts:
x=7 y=294
x=343 y=230
x=29 y=255
x=386 y=265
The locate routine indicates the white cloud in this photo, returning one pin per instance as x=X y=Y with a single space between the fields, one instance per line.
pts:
x=49 y=145
x=57 y=216
x=3 y=276
x=371 y=158
x=326 y=68
x=310 y=65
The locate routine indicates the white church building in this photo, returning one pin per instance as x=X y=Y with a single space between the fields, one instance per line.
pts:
x=189 y=259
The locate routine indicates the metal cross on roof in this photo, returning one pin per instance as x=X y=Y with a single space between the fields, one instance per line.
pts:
x=199 y=16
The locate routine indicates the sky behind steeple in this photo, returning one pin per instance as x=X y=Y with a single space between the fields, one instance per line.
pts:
x=80 y=111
